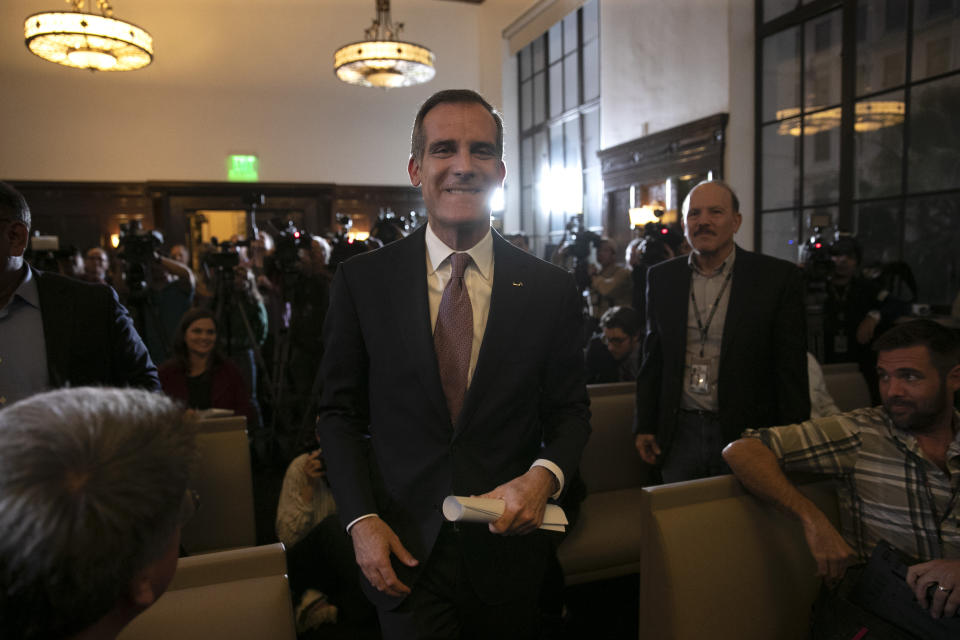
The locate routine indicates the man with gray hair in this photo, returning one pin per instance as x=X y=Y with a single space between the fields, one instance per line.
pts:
x=93 y=492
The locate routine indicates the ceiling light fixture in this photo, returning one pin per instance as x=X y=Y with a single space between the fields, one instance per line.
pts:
x=868 y=116
x=87 y=40
x=382 y=60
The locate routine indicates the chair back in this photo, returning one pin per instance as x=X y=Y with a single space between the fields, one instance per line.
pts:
x=224 y=481
x=718 y=563
x=241 y=594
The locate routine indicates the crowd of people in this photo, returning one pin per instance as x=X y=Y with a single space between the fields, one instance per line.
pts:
x=450 y=362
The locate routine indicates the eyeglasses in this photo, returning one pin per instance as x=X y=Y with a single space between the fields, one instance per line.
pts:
x=188 y=506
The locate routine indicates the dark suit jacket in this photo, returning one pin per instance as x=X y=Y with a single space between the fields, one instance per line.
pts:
x=763 y=367
x=388 y=441
x=90 y=337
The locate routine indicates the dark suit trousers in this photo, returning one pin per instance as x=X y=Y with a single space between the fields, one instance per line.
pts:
x=444 y=605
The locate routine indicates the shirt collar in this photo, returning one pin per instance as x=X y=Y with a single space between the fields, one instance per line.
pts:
x=27 y=289
x=724 y=267
x=481 y=253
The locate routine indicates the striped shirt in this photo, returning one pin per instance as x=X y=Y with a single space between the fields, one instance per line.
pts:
x=886 y=487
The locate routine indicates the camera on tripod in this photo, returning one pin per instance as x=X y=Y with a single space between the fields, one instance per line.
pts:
x=579 y=240
x=138 y=248
x=286 y=256
x=816 y=258
x=227 y=257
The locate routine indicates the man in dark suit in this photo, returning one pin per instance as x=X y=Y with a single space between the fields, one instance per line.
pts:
x=56 y=331
x=725 y=348
x=452 y=366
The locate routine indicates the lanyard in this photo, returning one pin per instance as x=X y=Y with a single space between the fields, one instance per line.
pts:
x=713 y=310
x=939 y=519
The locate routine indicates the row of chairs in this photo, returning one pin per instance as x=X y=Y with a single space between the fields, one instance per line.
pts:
x=709 y=551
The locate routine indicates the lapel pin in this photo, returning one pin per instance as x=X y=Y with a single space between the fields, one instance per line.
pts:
x=519 y=283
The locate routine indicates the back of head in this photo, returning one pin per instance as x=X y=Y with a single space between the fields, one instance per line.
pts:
x=943 y=343
x=91 y=485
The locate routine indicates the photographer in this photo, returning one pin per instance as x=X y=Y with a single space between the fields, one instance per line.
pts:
x=159 y=307
x=658 y=243
x=240 y=316
x=853 y=309
x=610 y=284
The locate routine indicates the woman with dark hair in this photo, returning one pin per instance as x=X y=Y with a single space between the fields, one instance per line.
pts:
x=198 y=375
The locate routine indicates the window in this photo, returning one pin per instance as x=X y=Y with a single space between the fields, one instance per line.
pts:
x=560 y=127
x=879 y=156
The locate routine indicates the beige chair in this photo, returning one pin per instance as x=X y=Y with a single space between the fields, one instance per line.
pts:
x=846 y=385
x=719 y=564
x=241 y=594
x=223 y=480
x=606 y=543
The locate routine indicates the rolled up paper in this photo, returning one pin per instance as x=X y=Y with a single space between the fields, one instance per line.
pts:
x=464 y=509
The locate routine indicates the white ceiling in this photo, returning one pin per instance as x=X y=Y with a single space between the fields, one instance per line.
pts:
x=256 y=44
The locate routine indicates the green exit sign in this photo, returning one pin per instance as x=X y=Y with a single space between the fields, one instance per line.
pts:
x=243 y=168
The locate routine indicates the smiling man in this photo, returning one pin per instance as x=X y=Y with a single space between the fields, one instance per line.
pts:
x=725 y=347
x=896 y=467
x=452 y=367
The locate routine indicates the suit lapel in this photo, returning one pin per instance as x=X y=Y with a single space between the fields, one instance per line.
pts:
x=410 y=305
x=675 y=315
x=506 y=307
x=55 y=311
x=740 y=288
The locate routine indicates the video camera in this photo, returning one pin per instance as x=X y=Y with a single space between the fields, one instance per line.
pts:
x=657 y=238
x=45 y=253
x=138 y=248
x=226 y=258
x=288 y=241
x=816 y=257
x=579 y=240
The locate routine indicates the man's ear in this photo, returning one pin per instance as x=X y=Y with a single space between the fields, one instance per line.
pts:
x=142 y=592
x=413 y=169
x=17 y=237
x=953 y=379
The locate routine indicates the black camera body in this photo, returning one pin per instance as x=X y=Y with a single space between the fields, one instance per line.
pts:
x=286 y=256
x=138 y=248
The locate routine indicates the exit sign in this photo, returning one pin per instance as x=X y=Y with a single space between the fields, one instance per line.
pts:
x=243 y=168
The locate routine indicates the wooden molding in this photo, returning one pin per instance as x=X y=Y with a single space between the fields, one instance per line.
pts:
x=691 y=148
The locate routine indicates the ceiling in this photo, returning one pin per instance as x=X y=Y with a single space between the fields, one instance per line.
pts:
x=255 y=44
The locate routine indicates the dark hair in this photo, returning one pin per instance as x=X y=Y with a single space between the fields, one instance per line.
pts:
x=13 y=205
x=943 y=343
x=180 y=353
x=734 y=200
x=624 y=318
x=418 y=140
x=91 y=485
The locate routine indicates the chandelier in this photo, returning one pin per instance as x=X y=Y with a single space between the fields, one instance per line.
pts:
x=868 y=116
x=88 y=40
x=381 y=60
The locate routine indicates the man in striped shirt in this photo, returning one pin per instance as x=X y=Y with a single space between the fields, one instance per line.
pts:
x=897 y=466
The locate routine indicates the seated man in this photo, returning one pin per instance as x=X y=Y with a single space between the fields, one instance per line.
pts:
x=614 y=356
x=897 y=467
x=93 y=492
